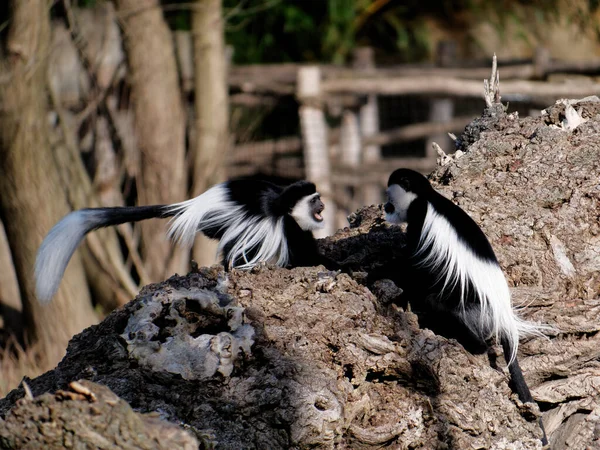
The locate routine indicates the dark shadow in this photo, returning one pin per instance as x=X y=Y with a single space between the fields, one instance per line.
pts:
x=13 y=325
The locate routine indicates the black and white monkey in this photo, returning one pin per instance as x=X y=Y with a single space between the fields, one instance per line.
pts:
x=455 y=275
x=254 y=221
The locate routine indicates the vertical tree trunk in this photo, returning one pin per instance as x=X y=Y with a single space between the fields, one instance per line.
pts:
x=211 y=107
x=160 y=123
x=11 y=308
x=31 y=196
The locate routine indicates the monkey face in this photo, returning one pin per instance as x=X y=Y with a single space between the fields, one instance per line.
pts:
x=399 y=200
x=307 y=212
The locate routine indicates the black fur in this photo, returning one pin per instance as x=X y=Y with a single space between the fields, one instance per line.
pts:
x=427 y=284
x=258 y=199
x=519 y=385
x=262 y=198
x=470 y=233
x=422 y=286
x=118 y=215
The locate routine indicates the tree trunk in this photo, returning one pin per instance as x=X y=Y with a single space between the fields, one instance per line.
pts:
x=11 y=308
x=211 y=108
x=31 y=197
x=160 y=122
x=70 y=409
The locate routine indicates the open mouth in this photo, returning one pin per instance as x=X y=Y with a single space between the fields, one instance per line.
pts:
x=317 y=216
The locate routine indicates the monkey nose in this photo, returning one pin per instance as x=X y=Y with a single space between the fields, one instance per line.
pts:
x=389 y=208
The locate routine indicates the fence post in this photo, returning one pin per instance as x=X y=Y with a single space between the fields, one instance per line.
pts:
x=350 y=155
x=541 y=62
x=442 y=109
x=364 y=61
x=314 y=141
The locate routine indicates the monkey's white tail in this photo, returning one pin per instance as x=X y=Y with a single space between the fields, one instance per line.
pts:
x=58 y=248
x=64 y=238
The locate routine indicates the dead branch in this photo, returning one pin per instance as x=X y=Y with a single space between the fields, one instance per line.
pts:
x=434 y=85
x=416 y=131
x=276 y=78
x=491 y=88
x=106 y=266
x=377 y=172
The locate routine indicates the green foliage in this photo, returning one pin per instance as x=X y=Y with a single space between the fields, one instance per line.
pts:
x=264 y=31
x=278 y=32
x=340 y=29
x=325 y=31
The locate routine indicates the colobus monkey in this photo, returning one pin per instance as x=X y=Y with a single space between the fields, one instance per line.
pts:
x=255 y=222
x=456 y=273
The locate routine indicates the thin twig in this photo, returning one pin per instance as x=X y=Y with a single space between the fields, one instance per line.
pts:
x=99 y=98
x=105 y=255
x=27 y=389
x=126 y=232
x=79 y=41
x=491 y=88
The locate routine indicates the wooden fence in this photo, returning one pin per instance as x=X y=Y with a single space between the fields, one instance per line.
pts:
x=346 y=161
x=350 y=132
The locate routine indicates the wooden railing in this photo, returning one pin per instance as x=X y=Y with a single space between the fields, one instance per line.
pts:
x=348 y=157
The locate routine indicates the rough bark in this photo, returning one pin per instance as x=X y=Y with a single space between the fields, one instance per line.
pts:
x=31 y=198
x=160 y=123
x=532 y=184
x=307 y=358
x=102 y=421
x=330 y=367
x=211 y=108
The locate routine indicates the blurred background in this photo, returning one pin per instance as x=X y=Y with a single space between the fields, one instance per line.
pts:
x=135 y=102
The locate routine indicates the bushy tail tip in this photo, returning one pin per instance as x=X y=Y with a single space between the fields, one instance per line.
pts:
x=58 y=248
